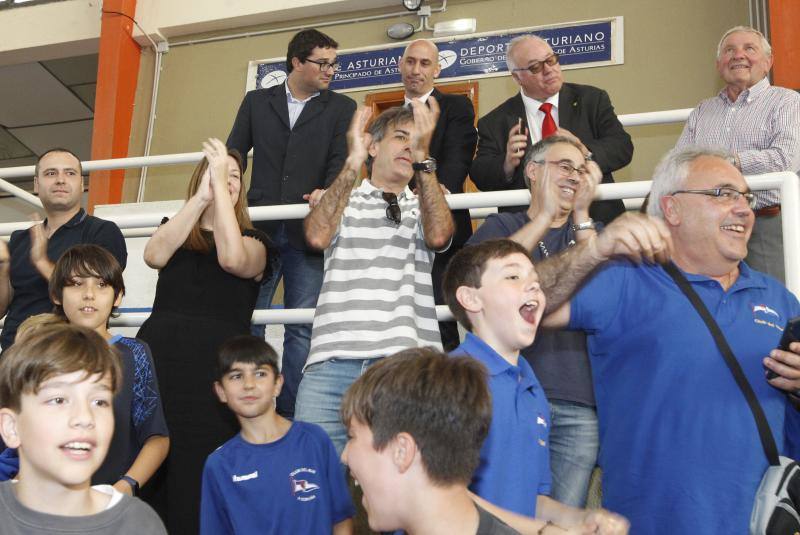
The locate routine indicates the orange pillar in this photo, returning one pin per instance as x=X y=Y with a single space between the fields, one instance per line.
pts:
x=117 y=72
x=784 y=21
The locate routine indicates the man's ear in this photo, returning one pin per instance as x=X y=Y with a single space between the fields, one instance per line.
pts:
x=296 y=63
x=372 y=150
x=671 y=210
x=118 y=300
x=404 y=451
x=8 y=428
x=36 y=184
x=278 y=385
x=469 y=299
x=220 y=392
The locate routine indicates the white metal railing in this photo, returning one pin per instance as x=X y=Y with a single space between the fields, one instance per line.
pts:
x=787 y=182
x=631 y=119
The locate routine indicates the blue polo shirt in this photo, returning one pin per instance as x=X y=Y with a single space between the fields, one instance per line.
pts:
x=514 y=462
x=679 y=448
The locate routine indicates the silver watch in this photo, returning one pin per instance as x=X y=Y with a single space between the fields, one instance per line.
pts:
x=586 y=225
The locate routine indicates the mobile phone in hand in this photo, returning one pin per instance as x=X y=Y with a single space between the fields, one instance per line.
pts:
x=791 y=333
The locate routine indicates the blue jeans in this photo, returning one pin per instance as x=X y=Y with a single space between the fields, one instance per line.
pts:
x=573 y=450
x=321 y=392
x=302 y=280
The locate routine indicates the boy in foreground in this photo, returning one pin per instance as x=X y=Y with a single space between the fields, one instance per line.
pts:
x=56 y=393
x=493 y=290
x=415 y=423
x=275 y=476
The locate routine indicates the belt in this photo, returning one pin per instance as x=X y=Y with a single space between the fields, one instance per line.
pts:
x=768 y=210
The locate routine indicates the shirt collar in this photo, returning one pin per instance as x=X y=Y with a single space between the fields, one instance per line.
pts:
x=749 y=94
x=535 y=104
x=368 y=188
x=290 y=98
x=747 y=278
x=423 y=98
x=74 y=220
x=480 y=350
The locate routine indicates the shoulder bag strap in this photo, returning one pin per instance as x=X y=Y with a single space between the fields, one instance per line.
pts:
x=767 y=440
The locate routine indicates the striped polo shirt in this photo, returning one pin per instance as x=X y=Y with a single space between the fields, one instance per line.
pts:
x=377 y=295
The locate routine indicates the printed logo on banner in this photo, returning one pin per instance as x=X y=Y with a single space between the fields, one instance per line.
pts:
x=583 y=44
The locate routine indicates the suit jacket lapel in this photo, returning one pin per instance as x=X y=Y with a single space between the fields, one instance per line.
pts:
x=313 y=108
x=277 y=99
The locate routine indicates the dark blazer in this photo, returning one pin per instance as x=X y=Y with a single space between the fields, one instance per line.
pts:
x=585 y=111
x=288 y=163
x=453 y=146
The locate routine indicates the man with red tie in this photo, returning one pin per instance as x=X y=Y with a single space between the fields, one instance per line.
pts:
x=545 y=106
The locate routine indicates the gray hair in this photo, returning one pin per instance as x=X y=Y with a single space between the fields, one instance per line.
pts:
x=536 y=152
x=673 y=170
x=764 y=43
x=514 y=42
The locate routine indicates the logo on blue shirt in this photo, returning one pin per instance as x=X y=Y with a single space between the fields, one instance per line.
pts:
x=764 y=315
x=304 y=489
x=245 y=477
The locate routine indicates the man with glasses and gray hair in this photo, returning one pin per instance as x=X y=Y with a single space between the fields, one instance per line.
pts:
x=545 y=106
x=379 y=240
x=562 y=185
x=297 y=132
x=760 y=125
x=679 y=447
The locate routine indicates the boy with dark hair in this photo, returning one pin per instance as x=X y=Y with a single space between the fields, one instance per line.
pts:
x=493 y=290
x=56 y=394
x=86 y=287
x=244 y=481
x=416 y=421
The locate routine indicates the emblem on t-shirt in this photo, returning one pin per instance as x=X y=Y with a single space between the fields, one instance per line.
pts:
x=764 y=315
x=303 y=486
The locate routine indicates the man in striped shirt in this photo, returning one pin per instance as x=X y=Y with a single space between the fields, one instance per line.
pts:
x=760 y=124
x=379 y=240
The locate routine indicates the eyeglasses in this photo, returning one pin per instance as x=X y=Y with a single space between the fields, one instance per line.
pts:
x=724 y=195
x=537 y=66
x=393 y=213
x=324 y=65
x=565 y=168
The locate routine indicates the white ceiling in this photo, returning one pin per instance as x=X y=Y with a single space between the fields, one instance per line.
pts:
x=43 y=105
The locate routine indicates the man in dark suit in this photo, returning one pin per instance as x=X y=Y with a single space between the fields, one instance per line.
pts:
x=452 y=146
x=297 y=131
x=546 y=105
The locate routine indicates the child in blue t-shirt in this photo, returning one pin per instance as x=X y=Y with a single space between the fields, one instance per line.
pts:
x=493 y=290
x=86 y=286
x=275 y=476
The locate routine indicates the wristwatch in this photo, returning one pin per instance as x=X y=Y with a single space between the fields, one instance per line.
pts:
x=586 y=225
x=428 y=165
x=132 y=482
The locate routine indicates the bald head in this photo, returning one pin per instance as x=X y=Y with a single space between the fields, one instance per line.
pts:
x=419 y=67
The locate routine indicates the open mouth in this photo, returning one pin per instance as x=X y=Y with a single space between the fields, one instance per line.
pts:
x=78 y=449
x=528 y=311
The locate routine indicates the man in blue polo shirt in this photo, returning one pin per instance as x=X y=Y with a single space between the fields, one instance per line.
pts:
x=493 y=291
x=679 y=447
x=27 y=262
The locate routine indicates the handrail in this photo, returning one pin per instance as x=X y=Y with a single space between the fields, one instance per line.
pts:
x=630 y=119
x=786 y=181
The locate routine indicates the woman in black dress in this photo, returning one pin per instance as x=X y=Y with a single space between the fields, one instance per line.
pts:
x=211 y=261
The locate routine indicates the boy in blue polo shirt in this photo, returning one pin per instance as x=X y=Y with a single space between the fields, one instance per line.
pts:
x=275 y=476
x=493 y=290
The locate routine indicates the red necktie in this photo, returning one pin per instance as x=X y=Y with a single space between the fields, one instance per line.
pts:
x=548 y=125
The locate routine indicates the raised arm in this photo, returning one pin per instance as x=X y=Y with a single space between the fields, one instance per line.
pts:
x=636 y=236
x=6 y=291
x=321 y=224
x=172 y=234
x=239 y=255
x=437 y=221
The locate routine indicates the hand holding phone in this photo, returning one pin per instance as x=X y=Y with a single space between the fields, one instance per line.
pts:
x=791 y=333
